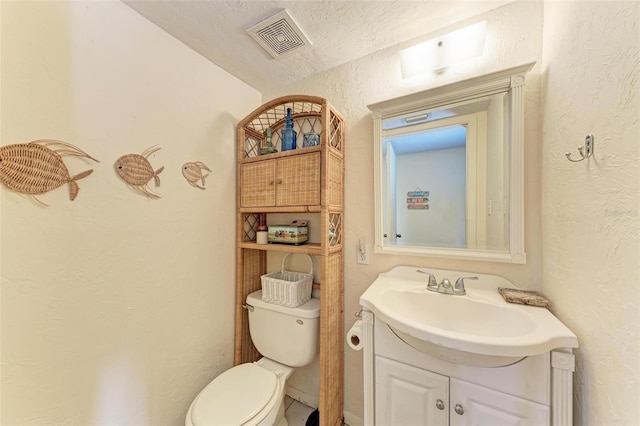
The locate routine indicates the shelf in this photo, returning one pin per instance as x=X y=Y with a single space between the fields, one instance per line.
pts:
x=311 y=179
x=281 y=209
x=313 y=249
x=289 y=153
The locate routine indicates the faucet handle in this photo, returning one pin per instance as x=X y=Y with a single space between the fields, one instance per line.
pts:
x=432 y=283
x=459 y=287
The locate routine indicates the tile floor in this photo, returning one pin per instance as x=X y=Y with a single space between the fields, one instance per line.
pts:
x=296 y=412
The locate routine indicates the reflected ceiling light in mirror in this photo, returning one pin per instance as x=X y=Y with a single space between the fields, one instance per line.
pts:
x=419 y=118
x=441 y=52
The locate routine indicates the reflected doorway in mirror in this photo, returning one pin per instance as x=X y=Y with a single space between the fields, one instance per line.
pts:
x=487 y=113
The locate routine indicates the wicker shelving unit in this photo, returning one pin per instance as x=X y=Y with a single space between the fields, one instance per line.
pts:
x=304 y=180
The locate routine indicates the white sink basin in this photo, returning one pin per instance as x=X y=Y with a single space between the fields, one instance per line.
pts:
x=478 y=329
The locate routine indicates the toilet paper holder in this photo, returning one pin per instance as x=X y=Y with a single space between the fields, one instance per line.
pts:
x=355 y=335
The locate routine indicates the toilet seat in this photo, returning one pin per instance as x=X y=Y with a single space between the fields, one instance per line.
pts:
x=242 y=395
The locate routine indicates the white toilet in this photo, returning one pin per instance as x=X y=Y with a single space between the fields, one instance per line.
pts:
x=252 y=394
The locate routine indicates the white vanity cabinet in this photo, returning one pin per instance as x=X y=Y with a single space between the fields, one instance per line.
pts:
x=477 y=405
x=408 y=387
x=468 y=359
x=407 y=396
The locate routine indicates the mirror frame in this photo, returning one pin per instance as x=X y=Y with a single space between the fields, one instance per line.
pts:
x=510 y=81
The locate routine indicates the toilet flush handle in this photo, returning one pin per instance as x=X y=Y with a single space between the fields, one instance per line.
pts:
x=248 y=307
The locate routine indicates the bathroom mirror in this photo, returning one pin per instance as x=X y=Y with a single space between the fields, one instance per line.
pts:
x=449 y=175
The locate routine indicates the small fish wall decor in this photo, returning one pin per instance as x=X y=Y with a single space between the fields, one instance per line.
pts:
x=136 y=170
x=193 y=173
x=36 y=167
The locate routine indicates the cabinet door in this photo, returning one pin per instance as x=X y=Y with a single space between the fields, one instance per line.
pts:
x=298 y=180
x=258 y=184
x=478 y=406
x=409 y=396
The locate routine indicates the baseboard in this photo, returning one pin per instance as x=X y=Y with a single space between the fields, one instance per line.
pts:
x=307 y=399
x=351 y=419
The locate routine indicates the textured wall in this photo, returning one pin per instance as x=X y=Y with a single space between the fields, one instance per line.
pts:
x=109 y=312
x=514 y=38
x=591 y=223
x=116 y=309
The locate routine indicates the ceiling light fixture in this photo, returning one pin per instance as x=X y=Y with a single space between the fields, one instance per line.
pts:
x=441 y=52
x=416 y=118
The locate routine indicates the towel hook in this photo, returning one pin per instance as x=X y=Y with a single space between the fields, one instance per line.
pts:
x=585 y=151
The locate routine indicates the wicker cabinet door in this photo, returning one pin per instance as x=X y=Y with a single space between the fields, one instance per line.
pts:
x=298 y=180
x=258 y=184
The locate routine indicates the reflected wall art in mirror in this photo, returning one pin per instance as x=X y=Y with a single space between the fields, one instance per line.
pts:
x=449 y=170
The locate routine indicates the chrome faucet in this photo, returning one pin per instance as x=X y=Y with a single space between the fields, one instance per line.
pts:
x=445 y=286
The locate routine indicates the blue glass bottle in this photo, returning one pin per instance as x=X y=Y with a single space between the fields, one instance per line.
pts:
x=288 y=134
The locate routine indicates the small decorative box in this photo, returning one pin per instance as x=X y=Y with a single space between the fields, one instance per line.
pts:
x=296 y=233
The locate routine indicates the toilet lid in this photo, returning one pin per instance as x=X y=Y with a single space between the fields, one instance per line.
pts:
x=235 y=396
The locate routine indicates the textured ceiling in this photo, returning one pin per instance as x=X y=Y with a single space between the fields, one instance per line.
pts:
x=340 y=31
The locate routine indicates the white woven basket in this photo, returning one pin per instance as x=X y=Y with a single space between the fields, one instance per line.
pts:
x=287 y=288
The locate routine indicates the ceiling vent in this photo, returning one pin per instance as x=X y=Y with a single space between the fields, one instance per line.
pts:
x=278 y=34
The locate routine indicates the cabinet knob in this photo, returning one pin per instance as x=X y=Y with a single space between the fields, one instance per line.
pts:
x=271 y=183
x=279 y=182
x=440 y=404
x=459 y=409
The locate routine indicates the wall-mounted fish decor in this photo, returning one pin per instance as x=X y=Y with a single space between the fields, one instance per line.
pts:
x=193 y=172
x=36 y=167
x=137 y=171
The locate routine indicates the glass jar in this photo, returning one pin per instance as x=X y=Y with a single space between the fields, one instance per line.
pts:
x=262 y=236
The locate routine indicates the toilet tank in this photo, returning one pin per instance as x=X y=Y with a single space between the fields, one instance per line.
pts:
x=289 y=336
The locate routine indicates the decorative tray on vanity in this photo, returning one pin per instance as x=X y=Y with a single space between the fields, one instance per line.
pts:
x=523 y=297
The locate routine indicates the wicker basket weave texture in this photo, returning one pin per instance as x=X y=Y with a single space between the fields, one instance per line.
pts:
x=287 y=288
x=37 y=167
